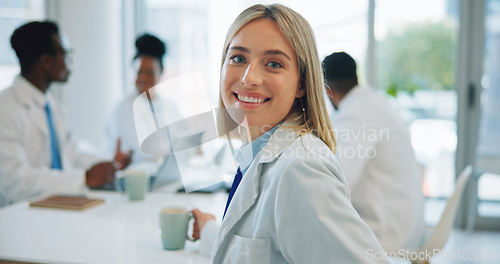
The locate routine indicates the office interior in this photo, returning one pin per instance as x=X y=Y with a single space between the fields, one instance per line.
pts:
x=436 y=61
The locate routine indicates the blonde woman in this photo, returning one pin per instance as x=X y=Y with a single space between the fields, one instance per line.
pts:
x=289 y=202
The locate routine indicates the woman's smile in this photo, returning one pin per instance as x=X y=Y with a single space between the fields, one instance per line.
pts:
x=250 y=100
x=260 y=75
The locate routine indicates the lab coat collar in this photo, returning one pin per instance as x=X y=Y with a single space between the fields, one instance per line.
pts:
x=28 y=94
x=247 y=153
x=281 y=138
x=350 y=96
x=248 y=190
x=34 y=100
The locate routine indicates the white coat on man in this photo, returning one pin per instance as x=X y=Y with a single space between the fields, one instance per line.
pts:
x=375 y=152
x=25 y=153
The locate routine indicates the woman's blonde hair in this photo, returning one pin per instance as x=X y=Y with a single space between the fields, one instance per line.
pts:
x=298 y=32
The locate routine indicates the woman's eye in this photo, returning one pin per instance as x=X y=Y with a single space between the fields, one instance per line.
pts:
x=274 y=64
x=238 y=59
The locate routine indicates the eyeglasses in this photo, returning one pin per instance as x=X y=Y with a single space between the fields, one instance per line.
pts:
x=67 y=55
x=67 y=52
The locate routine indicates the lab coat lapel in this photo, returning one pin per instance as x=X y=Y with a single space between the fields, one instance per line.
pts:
x=244 y=197
x=281 y=138
x=248 y=190
x=35 y=113
x=40 y=119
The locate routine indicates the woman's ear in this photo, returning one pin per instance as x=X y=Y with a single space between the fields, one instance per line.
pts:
x=301 y=92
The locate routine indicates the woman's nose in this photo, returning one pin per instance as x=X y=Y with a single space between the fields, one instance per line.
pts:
x=252 y=76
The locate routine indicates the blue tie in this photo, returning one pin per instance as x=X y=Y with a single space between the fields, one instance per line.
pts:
x=56 y=160
x=236 y=182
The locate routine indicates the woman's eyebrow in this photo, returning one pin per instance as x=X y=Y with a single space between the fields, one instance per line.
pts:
x=268 y=52
x=240 y=48
x=277 y=52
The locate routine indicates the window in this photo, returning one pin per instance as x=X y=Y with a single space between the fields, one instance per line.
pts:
x=488 y=151
x=415 y=56
x=14 y=13
x=195 y=31
x=415 y=59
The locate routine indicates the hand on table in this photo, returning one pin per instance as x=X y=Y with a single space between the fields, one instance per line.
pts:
x=100 y=174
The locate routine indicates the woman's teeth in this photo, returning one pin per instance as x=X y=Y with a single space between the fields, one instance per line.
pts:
x=250 y=99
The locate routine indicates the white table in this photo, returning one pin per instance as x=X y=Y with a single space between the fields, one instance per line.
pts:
x=118 y=231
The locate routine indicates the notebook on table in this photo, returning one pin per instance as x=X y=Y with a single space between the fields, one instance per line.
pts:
x=67 y=202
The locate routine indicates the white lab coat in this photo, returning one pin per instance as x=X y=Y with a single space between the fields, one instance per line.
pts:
x=25 y=152
x=375 y=152
x=121 y=125
x=293 y=206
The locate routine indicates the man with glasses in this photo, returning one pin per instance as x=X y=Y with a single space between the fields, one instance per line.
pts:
x=38 y=155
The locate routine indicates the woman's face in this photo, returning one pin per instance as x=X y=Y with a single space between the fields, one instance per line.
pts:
x=260 y=76
x=148 y=72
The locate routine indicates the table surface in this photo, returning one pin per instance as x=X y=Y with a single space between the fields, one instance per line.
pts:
x=117 y=231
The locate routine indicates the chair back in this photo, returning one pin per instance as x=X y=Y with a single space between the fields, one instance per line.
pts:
x=442 y=230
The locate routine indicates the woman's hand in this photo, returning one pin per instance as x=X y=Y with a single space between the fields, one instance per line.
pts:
x=200 y=219
x=121 y=159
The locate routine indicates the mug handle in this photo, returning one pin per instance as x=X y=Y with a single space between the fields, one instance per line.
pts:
x=120 y=184
x=190 y=238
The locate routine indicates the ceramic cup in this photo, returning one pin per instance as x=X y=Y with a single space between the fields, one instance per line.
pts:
x=174 y=222
x=135 y=185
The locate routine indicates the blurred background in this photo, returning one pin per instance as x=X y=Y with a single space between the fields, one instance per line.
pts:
x=437 y=62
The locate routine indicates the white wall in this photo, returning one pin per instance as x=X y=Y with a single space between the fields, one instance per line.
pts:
x=95 y=85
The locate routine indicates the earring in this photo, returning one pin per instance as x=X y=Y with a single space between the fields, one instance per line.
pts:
x=304 y=113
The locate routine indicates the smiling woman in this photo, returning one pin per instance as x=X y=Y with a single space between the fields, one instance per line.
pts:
x=288 y=184
x=260 y=75
x=287 y=54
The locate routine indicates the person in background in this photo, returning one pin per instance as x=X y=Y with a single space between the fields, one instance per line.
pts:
x=289 y=202
x=376 y=155
x=148 y=66
x=38 y=156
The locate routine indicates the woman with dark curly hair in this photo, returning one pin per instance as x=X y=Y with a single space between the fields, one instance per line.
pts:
x=148 y=67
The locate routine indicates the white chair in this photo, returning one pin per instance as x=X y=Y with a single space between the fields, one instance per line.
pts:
x=484 y=164
x=440 y=233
